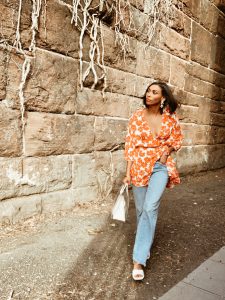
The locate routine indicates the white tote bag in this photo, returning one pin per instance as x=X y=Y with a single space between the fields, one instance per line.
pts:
x=120 y=208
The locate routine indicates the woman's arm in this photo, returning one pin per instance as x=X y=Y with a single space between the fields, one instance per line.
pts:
x=129 y=164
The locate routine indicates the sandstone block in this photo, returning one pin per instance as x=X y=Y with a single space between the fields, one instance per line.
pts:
x=189 y=114
x=192 y=8
x=121 y=82
x=171 y=41
x=205 y=74
x=11 y=132
x=109 y=133
x=209 y=16
x=221 y=25
x=14 y=75
x=3 y=76
x=84 y=170
x=203 y=158
x=86 y=194
x=217 y=119
x=195 y=134
x=34 y=175
x=113 y=51
x=56 y=31
x=218 y=57
x=200 y=49
x=180 y=22
x=197 y=86
x=9 y=18
x=153 y=63
x=53 y=83
x=92 y=102
x=47 y=134
x=18 y=209
x=178 y=71
x=139 y=4
x=119 y=169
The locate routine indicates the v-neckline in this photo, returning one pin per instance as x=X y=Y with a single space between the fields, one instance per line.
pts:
x=145 y=120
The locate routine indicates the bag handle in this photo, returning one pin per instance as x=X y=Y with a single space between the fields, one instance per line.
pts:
x=124 y=186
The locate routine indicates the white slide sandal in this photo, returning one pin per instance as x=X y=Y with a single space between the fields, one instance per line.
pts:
x=138 y=274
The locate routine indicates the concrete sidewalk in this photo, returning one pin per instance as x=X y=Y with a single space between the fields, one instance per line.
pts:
x=207 y=282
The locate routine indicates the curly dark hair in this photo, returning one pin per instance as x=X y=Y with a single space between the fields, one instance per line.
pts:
x=167 y=94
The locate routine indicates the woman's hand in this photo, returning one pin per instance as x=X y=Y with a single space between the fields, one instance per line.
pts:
x=127 y=179
x=163 y=158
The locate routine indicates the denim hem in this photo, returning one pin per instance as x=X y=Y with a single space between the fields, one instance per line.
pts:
x=139 y=262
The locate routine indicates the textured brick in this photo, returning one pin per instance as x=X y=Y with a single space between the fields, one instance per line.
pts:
x=153 y=63
x=92 y=102
x=34 y=175
x=203 y=46
x=11 y=132
x=47 y=134
x=171 y=41
x=53 y=86
x=177 y=72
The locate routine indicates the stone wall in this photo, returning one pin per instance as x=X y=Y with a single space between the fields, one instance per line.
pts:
x=68 y=148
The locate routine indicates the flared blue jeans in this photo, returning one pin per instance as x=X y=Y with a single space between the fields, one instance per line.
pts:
x=147 y=201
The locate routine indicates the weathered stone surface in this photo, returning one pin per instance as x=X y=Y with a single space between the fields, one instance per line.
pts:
x=218 y=57
x=138 y=4
x=221 y=25
x=180 y=22
x=17 y=209
x=9 y=18
x=47 y=134
x=121 y=82
x=95 y=172
x=127 y=83
x=92 y=102
x=171 y=41
x=13 y=75
x=205 y=105
x=56 y=31
x=3 y=76
x=202 y=134
x=84 y=170
x=203 y=158
x=177 y=72
x=197 y=86
x=209 y=16
x=192 y=8
x=205 y=74
x=153 y=63
x=99 y=170
x=34 y=175
x=217 y=119
x=53 y=86
x=11 y=132
x=203 y=46
x=119 y=166
x=109 y=133
x=113 y=51
x=189 y=114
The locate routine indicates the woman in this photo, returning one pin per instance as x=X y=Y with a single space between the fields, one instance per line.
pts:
x=153 y=133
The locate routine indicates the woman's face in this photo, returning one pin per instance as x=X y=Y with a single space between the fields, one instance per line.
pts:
x=154 y=95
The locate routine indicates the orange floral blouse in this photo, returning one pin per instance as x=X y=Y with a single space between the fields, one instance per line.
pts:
x=144 y=149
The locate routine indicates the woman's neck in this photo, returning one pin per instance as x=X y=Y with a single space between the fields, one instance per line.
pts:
x=153 y=110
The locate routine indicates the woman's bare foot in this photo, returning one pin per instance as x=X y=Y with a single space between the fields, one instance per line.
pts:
x=138 y=275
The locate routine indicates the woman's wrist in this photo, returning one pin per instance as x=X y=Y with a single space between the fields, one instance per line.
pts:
x=166 y=153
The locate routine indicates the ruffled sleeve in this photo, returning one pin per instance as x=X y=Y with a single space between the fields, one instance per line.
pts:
x=129 y=151
x=176 y=136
